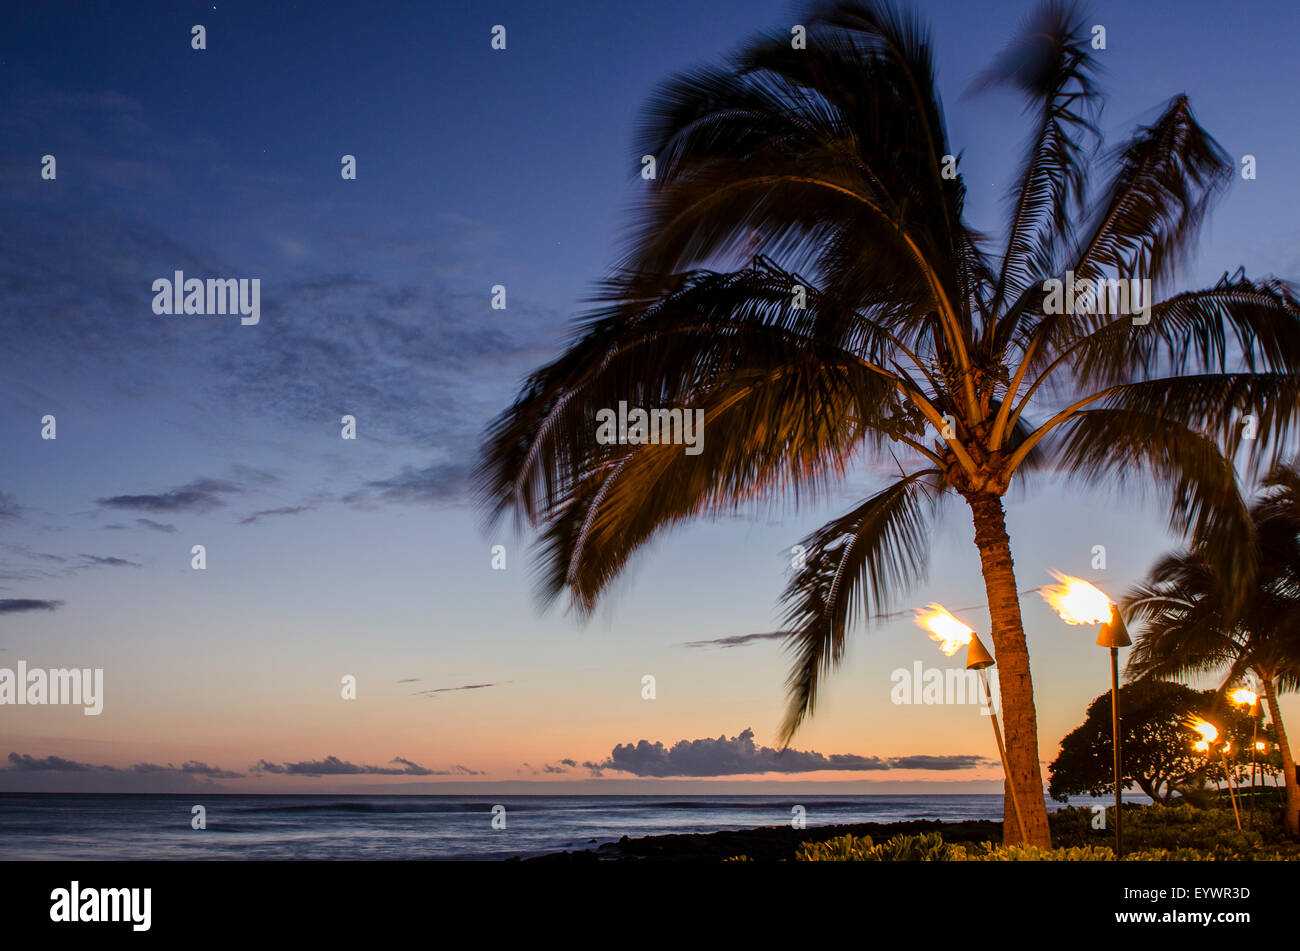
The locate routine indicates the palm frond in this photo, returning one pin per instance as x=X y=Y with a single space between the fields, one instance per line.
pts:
x=1050 y=63
x=854 y=564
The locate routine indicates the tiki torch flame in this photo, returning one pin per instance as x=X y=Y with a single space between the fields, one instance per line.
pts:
x=1209 y=732
x=951 y=633
x=1244 y=697
x=1077 y=601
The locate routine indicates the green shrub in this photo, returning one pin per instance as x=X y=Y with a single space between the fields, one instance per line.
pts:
x=1151 y=834
x=1209 y=833
x=929 y=847
x=1032 y=853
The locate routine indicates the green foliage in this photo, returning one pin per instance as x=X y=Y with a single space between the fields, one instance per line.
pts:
x=928 y=847
x=1179 y=833
x=1032 y=853
x=1210 y=833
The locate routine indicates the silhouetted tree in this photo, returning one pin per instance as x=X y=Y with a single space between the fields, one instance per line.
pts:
x=1157 y=743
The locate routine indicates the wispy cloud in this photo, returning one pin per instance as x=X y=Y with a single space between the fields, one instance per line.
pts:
x=963 y=761
x=108 y=561
x=333 y=766
x=739 y=640
x=454 y=689
x=201 y=495
x=23 y=563
x=143 y=523
x=10 y=510
x=434 y=484
x=267 y=513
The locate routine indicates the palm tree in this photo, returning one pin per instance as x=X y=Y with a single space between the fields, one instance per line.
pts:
x=801 y=271
x=1190 y=627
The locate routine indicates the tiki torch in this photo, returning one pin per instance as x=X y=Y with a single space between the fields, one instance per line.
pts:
x=1078 y=602
x=1248 y=698
x=1209 y=733
x=952 y=634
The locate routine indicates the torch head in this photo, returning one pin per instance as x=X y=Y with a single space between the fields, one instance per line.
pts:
x=1113 y=632
x=977 y=657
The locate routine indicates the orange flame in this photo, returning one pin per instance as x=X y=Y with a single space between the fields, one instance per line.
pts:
x=1244 y=697
x=951 y=633
x=1077 y=601
x=1209 y=732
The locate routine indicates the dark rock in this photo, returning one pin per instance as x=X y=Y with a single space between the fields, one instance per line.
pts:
x=770 y=844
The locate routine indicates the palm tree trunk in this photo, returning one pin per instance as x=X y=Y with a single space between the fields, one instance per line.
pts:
x=1292 y=814
x=1017 y=689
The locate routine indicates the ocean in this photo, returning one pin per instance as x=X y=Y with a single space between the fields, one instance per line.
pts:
x=133 y=827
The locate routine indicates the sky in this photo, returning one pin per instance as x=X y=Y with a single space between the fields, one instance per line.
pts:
x=329 y=558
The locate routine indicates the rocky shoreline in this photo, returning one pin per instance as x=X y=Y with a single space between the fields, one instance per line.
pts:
x=768 y=844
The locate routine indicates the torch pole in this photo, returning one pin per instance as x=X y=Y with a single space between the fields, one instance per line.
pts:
x=1115 y=742
x=1254 y=741
x=1002 y=753
x=1231 y=792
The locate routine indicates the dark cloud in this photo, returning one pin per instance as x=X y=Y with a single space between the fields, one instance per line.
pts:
x=725 y=757
x=286 y=510
x=333 y=766
x=412 y=767
x=56 y=764
x=191 y=768
x=739 y=640
x=15 y=605
x=962 y=761
x=54 y=773
x=201 y=495
x=740 y=755
x=410 y=680
x=25 y=763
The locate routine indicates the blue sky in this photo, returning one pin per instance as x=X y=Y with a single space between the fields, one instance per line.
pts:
x=329 y=557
